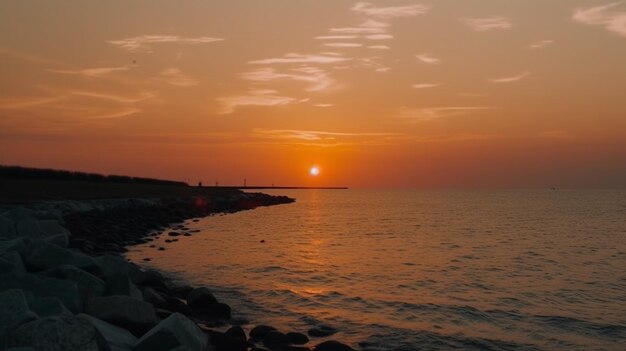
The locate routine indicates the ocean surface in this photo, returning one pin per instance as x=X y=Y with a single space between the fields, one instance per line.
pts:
x=420 y=270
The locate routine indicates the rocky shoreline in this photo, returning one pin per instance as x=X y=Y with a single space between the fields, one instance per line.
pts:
x=65 y=286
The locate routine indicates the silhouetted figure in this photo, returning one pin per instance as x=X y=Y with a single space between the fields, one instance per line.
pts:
x=199 y=184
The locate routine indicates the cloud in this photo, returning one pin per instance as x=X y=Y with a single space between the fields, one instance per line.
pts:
x=335 y=37
x=324 y=105
x=379 y=47
x=317 y=78
x=259 y=97
x=343 y=45
x=369 y=9
x=372 y=62
x=90 y=72
x=17 y=103
x=541 y=44
x=612 y=20
x=115 y=98
x=143 y=43
x=315 y=135
x=510 y=79
x=379 y=36
x=488 y=23
x=434 y=113
x=426 y=85
x=428 y=59
x=304 y=58
x=175 y=76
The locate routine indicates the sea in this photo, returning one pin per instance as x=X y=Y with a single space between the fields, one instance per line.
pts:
x=419 y=270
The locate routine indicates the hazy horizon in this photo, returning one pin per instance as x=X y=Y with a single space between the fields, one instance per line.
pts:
x=377 y=94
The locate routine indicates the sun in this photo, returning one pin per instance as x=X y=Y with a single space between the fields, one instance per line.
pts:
x=314 y=171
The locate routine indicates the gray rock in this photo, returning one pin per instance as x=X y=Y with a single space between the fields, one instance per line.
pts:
x=200 y=298
x=42 y=286
x=13 y=311
x=7 y=228
x=18 y=244
x=28 y=227
x=152 y=296
x=132 y=314
x=260 y=331
x=14 y=258
x=322 y=331
x=48 y=306
x=298 y=338
x=66 y=332
x=332 y=345
x=118 y=339
x=89 y=285
x=121 y=284
x=41 y=255
x=51 y=227
x=176 y=332
x=62 y=240
x=19 y=213
x=275 y=339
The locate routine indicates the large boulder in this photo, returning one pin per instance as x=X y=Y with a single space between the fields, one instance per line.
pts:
x=28 y=227
x=18 y=244
x=118 y=339
x=200 y=298
x=89 y=285
x=14 y=258
x=48 y=306
x=7 y=228
x=332 y=345
x=120 y=284
x=132 y=314
x=42 y=286
x=260 y=331
x=41 y=255
x=275 y=339
x=176 y=332
x=65 y=332
x=154 y=297
x=13 y=311
x=51 y=227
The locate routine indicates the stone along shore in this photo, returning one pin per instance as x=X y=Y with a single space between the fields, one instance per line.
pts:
x=65 y=286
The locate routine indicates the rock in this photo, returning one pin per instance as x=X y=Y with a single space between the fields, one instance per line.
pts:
x=19 y=213
x=224 y=342
x=62 y=240
x=14 y=258
x=275 y=339
x=236 y=332
x=18 y=244
x=298 y=338
x=65 y=332
x=118 y=339
x=322 y=331
x=41 y=255
x=42 y=286
x=132 y=314
x=216 y=311
x=173 y=234
x=89 y=285
x=14 y=311
x=121 y=284
x=161 y=248
x=48 y=306
x=28 y=227
x=152 y=278
x=50 y=227
x=260 y=331
x=7 y=228
x=332 y=345
x=152 y=296
x=200 y=298
x=176 y=332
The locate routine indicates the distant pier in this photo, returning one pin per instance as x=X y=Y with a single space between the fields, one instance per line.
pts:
x=260 y=187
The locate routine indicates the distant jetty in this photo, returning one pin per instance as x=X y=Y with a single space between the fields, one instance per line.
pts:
x=261 y=187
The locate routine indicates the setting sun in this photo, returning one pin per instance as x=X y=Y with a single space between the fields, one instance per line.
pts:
x=314 y=171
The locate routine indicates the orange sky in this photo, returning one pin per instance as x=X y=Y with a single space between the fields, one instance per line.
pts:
x=446 y=93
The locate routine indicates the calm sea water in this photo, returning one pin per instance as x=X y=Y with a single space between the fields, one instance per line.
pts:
x=421 y=270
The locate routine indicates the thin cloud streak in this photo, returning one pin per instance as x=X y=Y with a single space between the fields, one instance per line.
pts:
x=435 y=113
x=174 y=76
x=613 y=21
x=488 y=23
x=428 y=59
x=303 y=58
x=541 y=44
x=259 y=97
x=510 y=79
x=343 y=45
x=144 y=43
x=317 y=78
x=90 y=72
x=369 y=9
x=426 y=85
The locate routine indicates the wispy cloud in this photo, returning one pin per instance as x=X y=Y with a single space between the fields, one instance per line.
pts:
x=369 y=9
x=344 y=45
x=434 y=113
x=323 y=138
x=303 y=58
x=144 y=43
x=90 y=72
x=488 y=23
x=17 y=103
x=258 y=97
x=510 y=79
x=115 y=98
x=324 y=105
x=607 y=16
x=175 y=76
x=317 y=78
x=428 y=59
x=379 y=47
x=426 y=85
x=336 y=37
x=541 y=44
x=379 y=37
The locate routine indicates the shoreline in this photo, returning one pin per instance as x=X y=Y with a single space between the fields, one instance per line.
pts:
x=61 y=268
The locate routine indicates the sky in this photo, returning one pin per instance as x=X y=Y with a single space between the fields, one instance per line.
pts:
x=384 y=94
